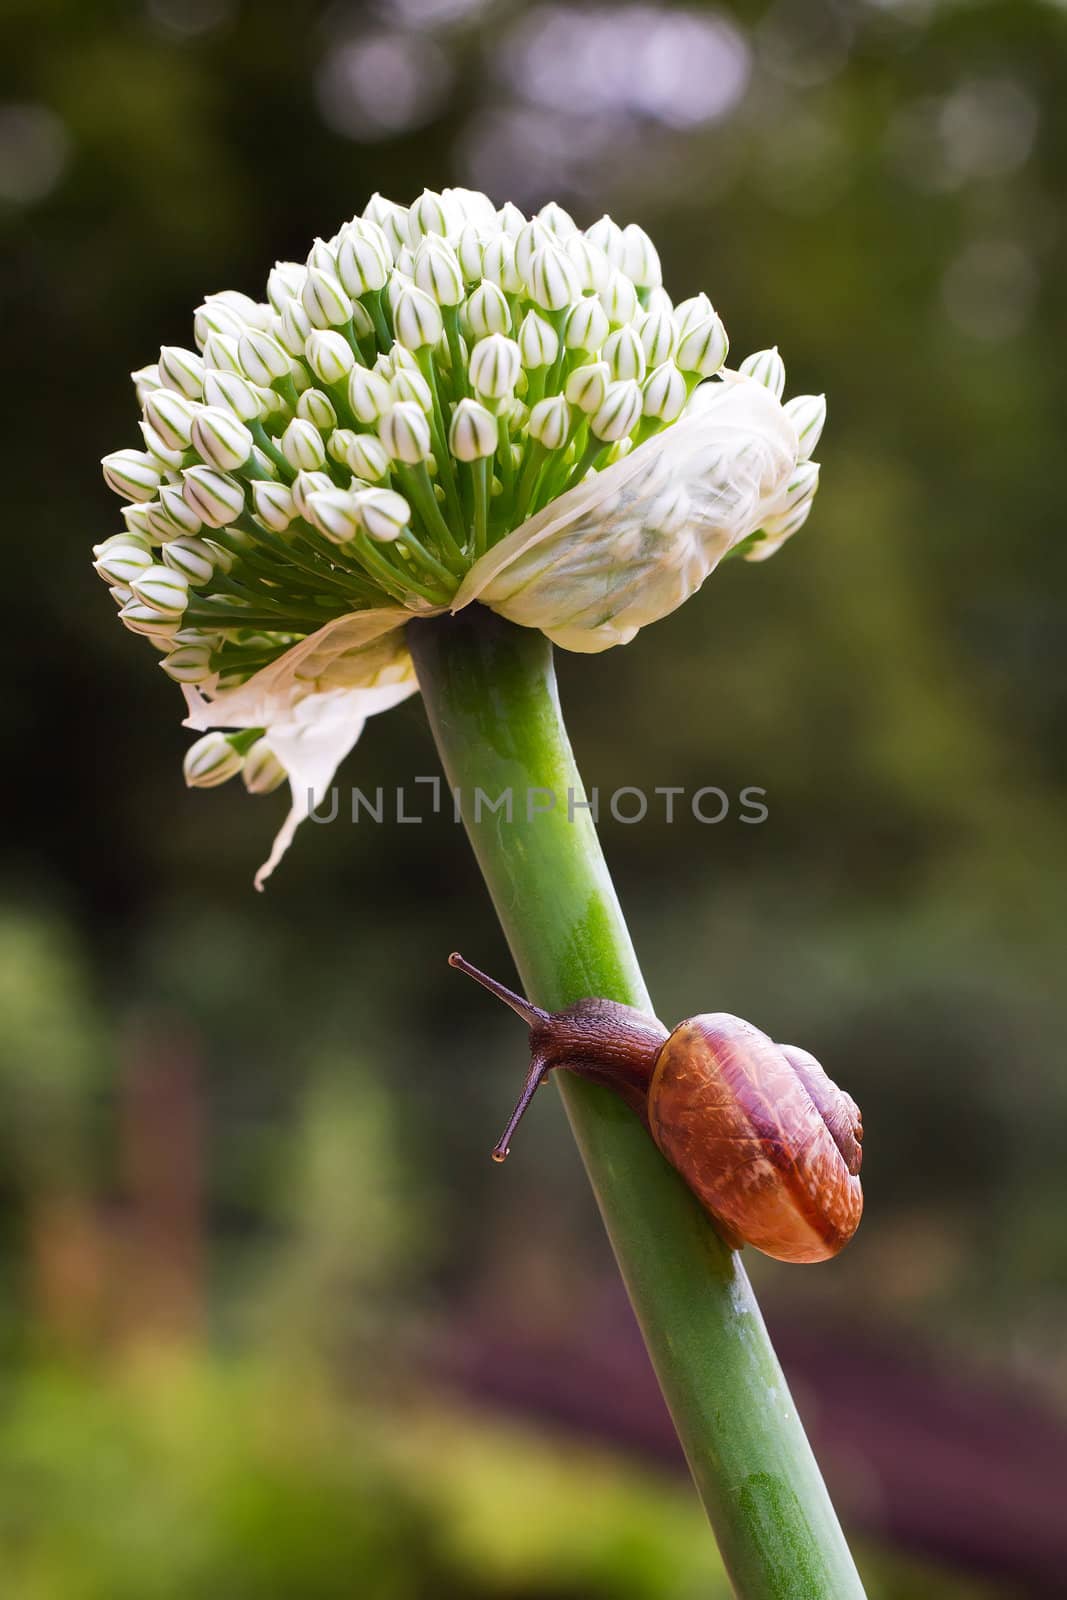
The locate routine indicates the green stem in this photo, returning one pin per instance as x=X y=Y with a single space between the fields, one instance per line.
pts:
x=481 y=472
x=490 y=693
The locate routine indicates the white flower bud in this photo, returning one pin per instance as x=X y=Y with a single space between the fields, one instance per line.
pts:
x=241 y=305
x=273 y=505
x=180 y=515
x=221 y=439
x=220 y=354
x=779 y=529
x=324 y=300
x=556 y=220
x=794 y=498
x=586 y=326
x=131 y=473
x=262 y=772
x=624 y=354
x=383 y=513
x=262 y=358
x=322 y=257
x=473 y=433
x=335 y=513
x=364 y=259
x=405 y=433
x=514 y=412
x=160 y=527
x=391 y=218
x=329 y=355
x=687 y=313
x=665 y=393
x=337 y=445
x=190 y=663
x=378 y=208
x=473 y=206
x=365 y=456
x=807 y=413
x=658 y=337
x=469 y=254
x=768 y=368
x=620 y=412
x=590 y=263
x=232 y=393
x=369 y=395
x=531 y=237
x=553 y=280
x=510 y=218
x=166 y=459
x=138 y=519
x=362 y=324
x=498 y=264
x=487 y=312
x=538 y=342
x=703 y=347
x=587 y=386
x=224 y=560
x=271 y=403
x=145 y=381
x=294 y=327
x=197 y=636
x=400 y=358
x=211 y=761
x=607 y=236
x=437 y=271
x=170 y=415
x=409 y=385
x=619 y=299
x=120 y=541
x=216 y=499
x=550 y=422
x=122 y=562
x=161 y=589
x=416 y=318
x=495 y=365
x=284 y=283
x=181 y=370
x=640 y=260
x=432 y=213
x=191 y=557
x=215 y=316
x=145 y=620
x=317 y=408
x=306 y=484
x=302 y=446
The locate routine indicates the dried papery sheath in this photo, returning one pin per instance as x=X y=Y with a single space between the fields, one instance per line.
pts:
x=614 y=554
x=313 y=704
x=443 y=403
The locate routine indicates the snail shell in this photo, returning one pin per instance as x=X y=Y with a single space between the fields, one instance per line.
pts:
x=768 y=1143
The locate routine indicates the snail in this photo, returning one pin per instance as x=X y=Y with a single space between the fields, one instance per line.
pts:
x=767 y=1143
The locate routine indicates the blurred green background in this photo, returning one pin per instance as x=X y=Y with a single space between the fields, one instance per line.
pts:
x=271 y=1324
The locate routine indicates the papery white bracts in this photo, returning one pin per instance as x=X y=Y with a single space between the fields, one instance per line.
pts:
x=622 y=549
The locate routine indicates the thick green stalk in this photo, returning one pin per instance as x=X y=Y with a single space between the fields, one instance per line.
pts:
x=490 y=692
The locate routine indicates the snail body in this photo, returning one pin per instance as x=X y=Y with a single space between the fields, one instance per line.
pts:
x=770 y=1146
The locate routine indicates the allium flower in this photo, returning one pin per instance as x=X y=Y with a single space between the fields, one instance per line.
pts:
x=445 y=404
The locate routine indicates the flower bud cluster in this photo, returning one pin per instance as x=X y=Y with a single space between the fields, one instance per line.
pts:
x=428 y=379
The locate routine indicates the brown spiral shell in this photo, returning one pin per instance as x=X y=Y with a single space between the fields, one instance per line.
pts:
x=768 y=1143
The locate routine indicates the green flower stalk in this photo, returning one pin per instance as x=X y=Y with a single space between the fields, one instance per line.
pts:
x=446 y=404
x=451 y=438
